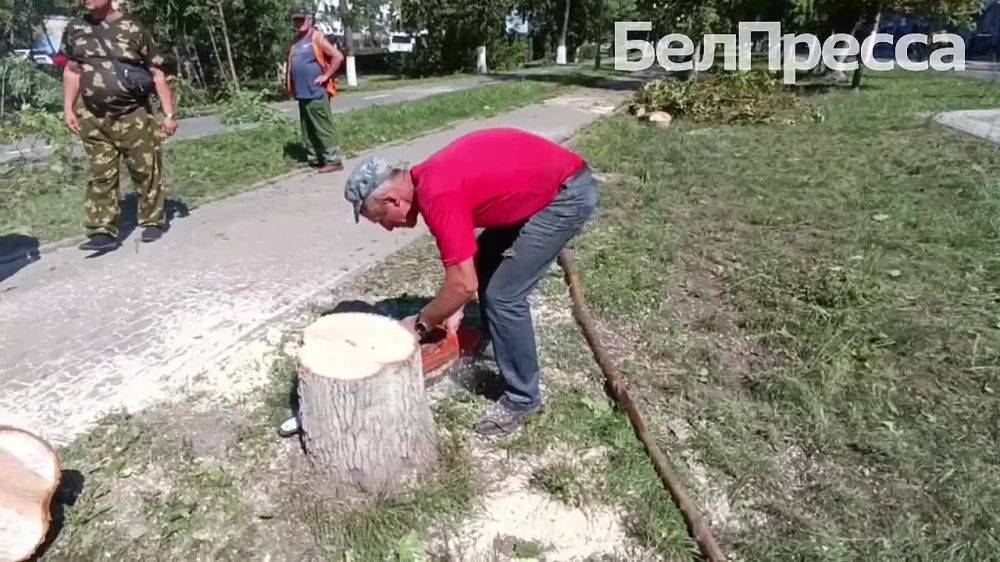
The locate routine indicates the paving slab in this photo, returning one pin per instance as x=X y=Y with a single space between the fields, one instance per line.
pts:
x=983 y=123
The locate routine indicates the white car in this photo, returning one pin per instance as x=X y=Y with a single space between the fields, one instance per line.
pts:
x=38 y=57
x=401 y=43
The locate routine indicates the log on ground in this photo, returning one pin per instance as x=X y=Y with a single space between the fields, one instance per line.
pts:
x=29 y=475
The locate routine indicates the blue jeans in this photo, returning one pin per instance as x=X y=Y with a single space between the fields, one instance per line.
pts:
x=510 y=263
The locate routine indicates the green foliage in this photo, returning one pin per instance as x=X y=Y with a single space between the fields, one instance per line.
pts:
x=258 y=30
x=866 y=280
x=189 y=95
x=246 y=106
x=506 y=54
x=739 y=97
x=587 y=51
x=24 y=83
x=561 y=481
x=454 y=29
x=33 y=122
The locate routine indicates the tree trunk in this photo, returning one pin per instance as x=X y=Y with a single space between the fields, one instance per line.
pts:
x=218 y=56
x=350 y=68
x=229 y=48
x=858 y=73
x=598 y=35
x=31 y=475
x=192 y=55
x=561 y=49
x=352 y=72
x=481 y=67
x=697 y=57
x=365 y=417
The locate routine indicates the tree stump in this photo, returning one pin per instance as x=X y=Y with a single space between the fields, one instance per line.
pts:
x=29 y=475
x=366 y=421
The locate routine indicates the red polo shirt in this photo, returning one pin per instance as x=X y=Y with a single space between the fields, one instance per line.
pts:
x=493 y=178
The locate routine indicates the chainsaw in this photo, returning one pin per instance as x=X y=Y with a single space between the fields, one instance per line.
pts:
x=440 y=349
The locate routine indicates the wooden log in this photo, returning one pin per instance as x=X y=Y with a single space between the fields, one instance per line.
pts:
x=366 y=421
x=617 y=386
x=29 y=475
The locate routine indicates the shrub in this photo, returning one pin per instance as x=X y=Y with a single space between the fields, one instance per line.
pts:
x=33 y=122
x=190 y=96
x=738 y=97
x=586 y=52
x=246 y=106
x=506 y=54
x=24 y=83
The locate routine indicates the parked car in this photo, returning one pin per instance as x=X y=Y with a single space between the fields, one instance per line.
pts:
x=38 y=57
x=401 y=43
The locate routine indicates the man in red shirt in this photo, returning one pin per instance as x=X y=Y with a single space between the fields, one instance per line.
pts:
x=530 y=195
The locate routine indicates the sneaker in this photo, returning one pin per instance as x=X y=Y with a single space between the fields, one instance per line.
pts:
x=503 y=420
x=290 y=427
x=99 y=243
x=329 y=168
x=152 y=233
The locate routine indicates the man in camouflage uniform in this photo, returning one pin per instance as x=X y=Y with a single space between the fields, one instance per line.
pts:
x=106 y=51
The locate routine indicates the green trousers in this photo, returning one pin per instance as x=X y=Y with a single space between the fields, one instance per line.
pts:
x=138 y=138
x=318 y=136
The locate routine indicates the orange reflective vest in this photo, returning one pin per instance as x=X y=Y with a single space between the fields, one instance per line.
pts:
x=321 y=57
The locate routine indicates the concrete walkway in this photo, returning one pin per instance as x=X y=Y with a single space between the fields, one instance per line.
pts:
x=983 y=123
x=82 y=336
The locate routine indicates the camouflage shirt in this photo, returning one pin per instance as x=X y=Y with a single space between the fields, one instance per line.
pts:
x=93 y=46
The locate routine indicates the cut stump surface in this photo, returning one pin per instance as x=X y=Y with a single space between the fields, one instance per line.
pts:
x=29 y=475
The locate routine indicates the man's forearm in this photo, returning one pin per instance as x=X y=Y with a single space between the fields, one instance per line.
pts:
x=449 y=300
x=71 y=89
x=164 y=93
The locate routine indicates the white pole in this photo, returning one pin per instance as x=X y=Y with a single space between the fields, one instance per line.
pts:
x=481 y=60
x=561 y=54
x=352 y=73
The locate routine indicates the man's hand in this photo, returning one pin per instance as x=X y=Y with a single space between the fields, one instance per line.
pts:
x=452 y=324
x=72 y=122
x=169 y=127
x=321 y=80
x=410 y=323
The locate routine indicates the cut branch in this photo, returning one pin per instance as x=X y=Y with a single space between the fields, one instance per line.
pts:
x=617 y=386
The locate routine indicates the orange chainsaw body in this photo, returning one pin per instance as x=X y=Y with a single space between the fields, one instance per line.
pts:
x=439 y=349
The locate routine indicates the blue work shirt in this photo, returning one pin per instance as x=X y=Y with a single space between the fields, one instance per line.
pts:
x=305 y=70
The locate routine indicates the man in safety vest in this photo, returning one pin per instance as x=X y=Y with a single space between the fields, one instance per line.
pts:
x=312 y=63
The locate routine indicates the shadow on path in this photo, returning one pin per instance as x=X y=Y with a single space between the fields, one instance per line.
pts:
x=17 y=251
x=70 y=487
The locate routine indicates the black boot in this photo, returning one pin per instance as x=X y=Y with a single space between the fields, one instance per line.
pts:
x=99 y=243
x=151 y=233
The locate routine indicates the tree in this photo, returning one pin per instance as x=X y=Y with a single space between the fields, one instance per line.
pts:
x=862 y=17
x=598 y=17
x=455 y=29
x=561 y=50
x=21 y=20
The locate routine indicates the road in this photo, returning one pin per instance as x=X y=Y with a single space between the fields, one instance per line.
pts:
x=988 y=71
x=81 y=336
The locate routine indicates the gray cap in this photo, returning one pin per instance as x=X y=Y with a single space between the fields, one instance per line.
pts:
x=366 y=177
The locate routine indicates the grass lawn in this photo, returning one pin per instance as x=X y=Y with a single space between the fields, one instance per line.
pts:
x=811 y=314
x=46 y=200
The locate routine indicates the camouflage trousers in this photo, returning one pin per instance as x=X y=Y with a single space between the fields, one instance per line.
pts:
x=138 y=138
